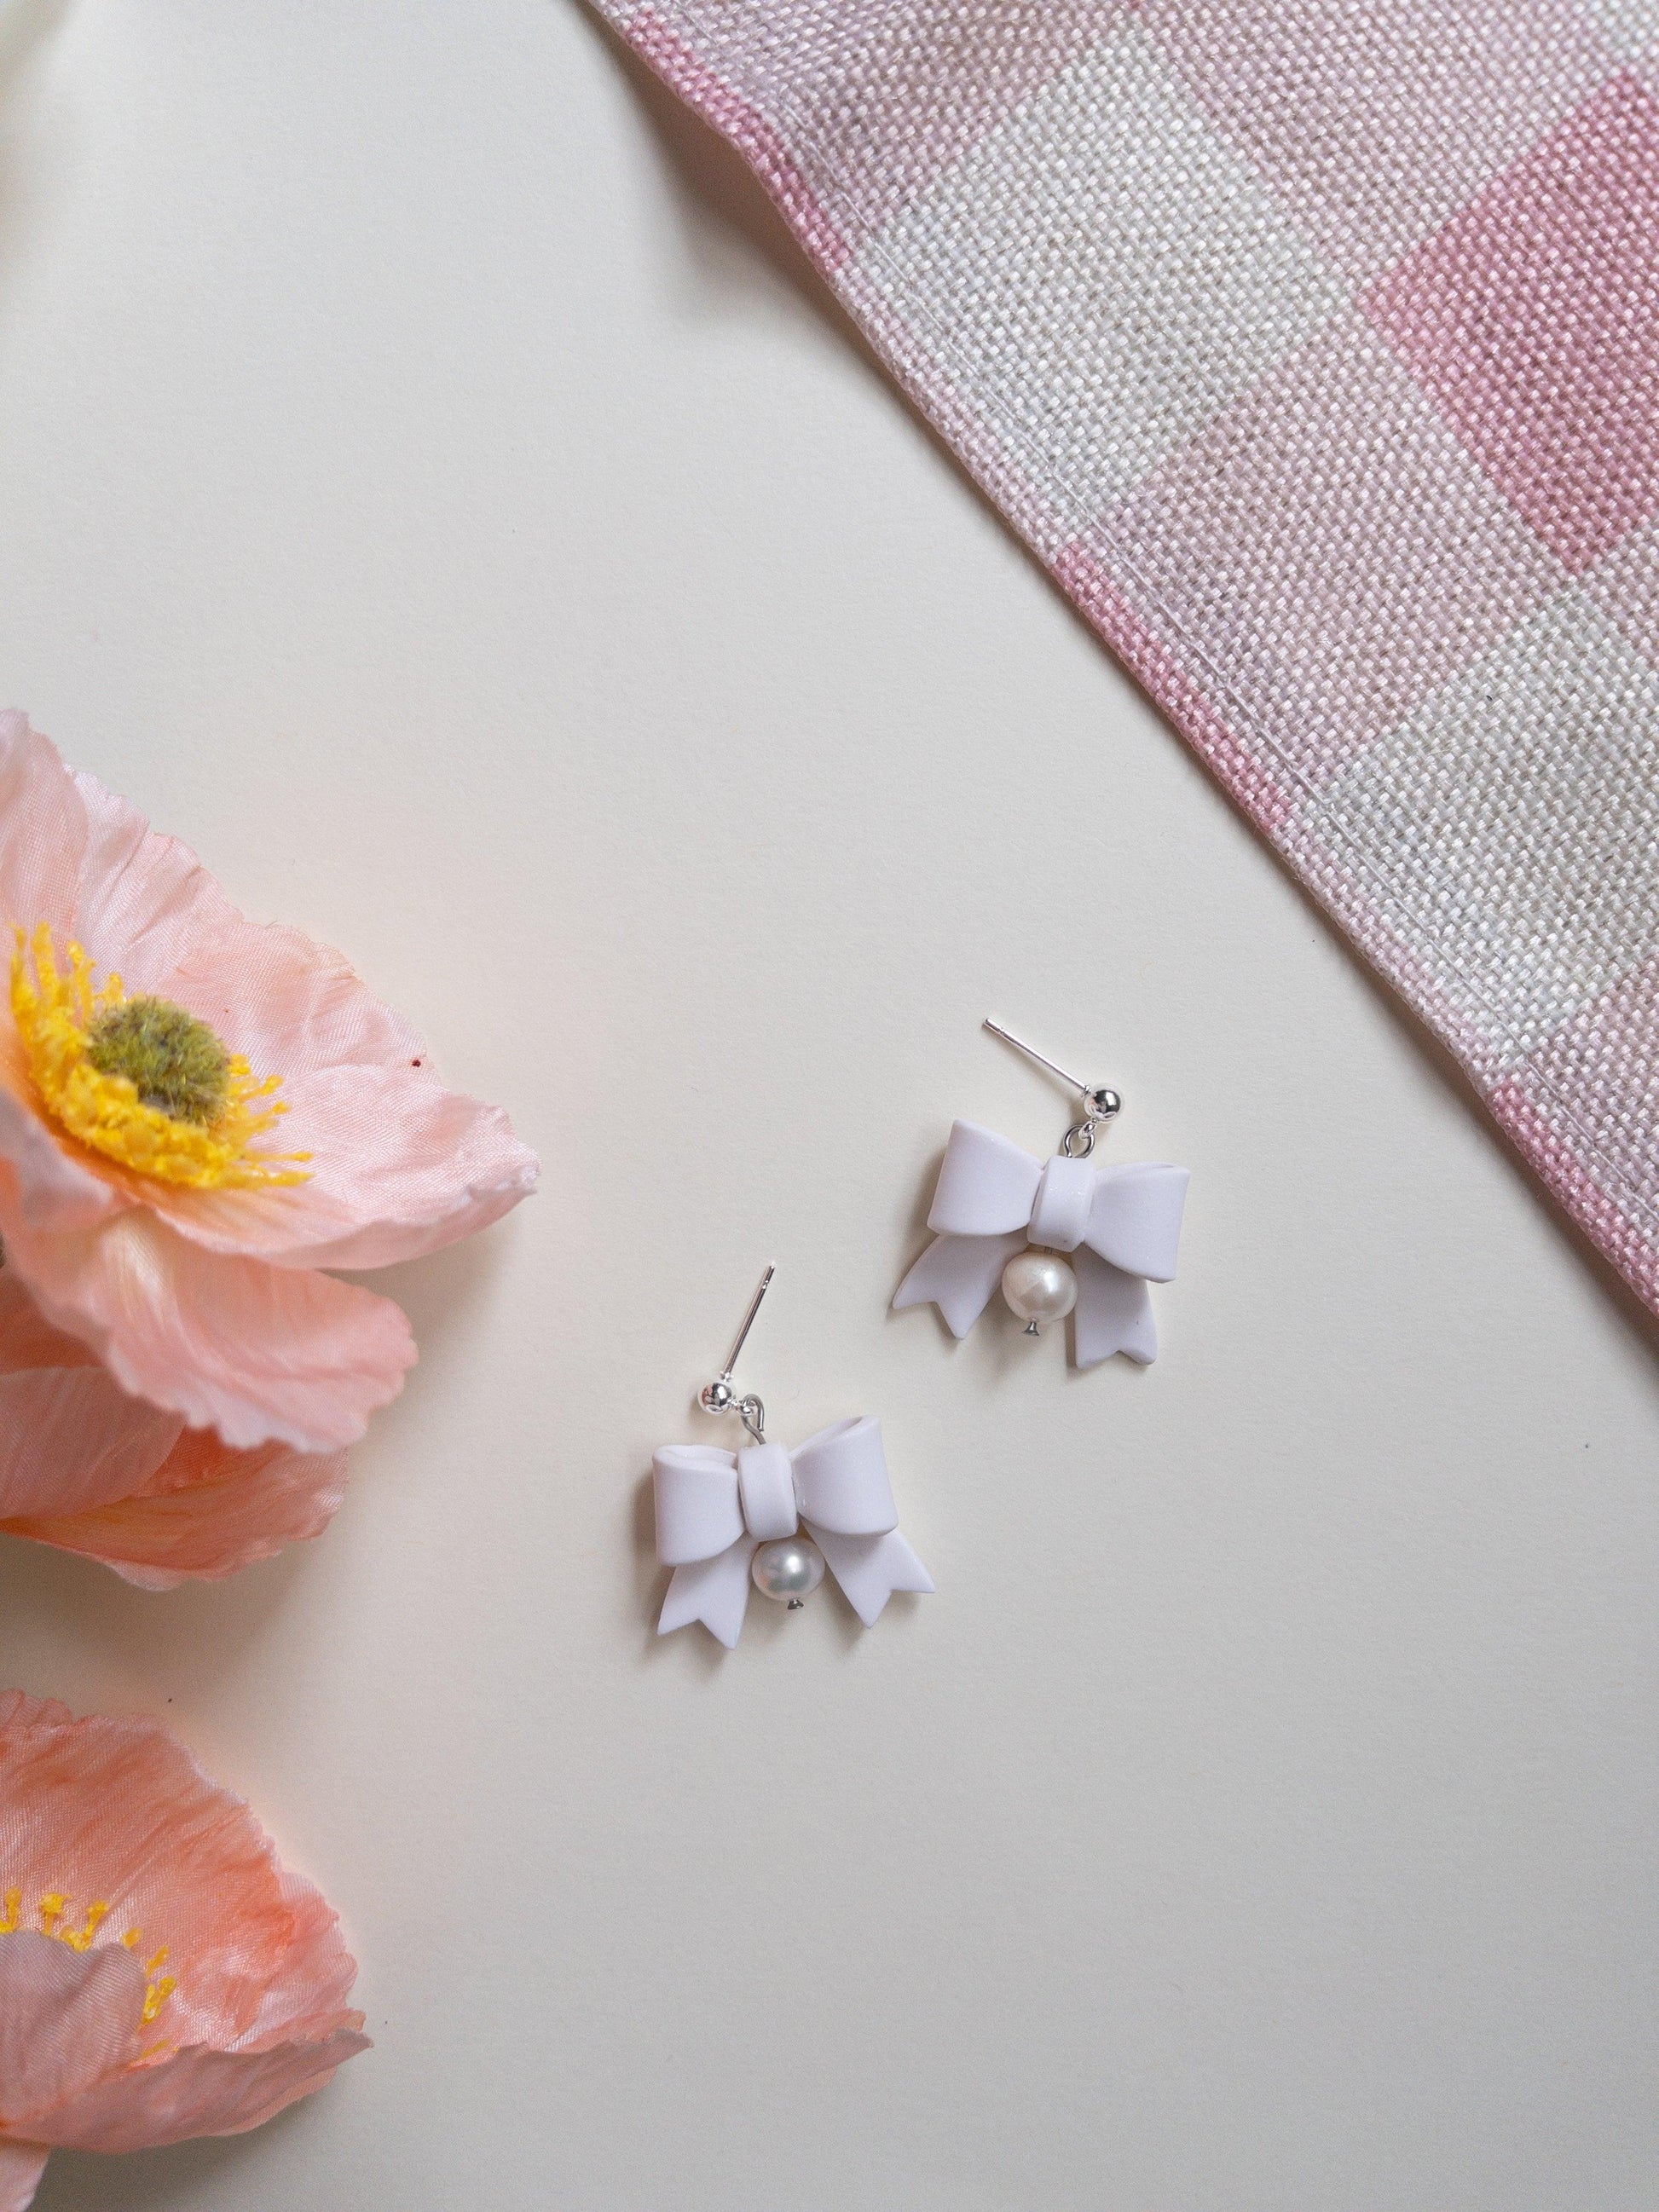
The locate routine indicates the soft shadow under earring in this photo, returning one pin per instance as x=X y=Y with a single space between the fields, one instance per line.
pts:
x=775 y=1517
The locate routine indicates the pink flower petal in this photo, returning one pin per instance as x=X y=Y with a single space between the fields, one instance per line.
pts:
x=399 y=1167
x=310 y=2000
x=43 y=831
x=209 y=1512
x=201 y=2091
x=87 y=1469
x=67 y=2019
x=28 y=1339
x=50 y=1189
x=21 y=2166
x=117 y=1811
x=259 y=1353
x=18 y=1711
x=148 y=908
x=71 y=1439
x=69 y=1436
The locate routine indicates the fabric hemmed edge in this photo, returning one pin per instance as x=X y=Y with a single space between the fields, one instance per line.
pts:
x=1570 y=1183
x=708 y=94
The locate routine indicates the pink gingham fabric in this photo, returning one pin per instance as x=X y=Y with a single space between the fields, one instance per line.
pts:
x=1313 y=347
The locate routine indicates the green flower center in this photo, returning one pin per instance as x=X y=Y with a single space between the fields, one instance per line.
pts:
x=173 y=1062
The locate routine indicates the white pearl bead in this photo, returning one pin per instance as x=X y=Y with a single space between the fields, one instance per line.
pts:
x=788 y=1569
x=1039 y=1286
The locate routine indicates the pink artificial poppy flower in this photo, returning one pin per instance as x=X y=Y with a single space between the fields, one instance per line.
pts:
x=160 y=1975
x=155 y=1042
x=86 y=1468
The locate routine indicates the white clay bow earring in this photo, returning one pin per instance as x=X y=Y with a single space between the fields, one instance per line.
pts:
x=775 y=1517
x=1063 y=1237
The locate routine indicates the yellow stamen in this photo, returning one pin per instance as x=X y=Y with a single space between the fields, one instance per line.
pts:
x=56 y=1013
x=97 y=1913
x=53 y=1911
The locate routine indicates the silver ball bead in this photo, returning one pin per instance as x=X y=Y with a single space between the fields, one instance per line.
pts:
x=717 y=1398
x=1039 y=1286
x=787 y=1569
x=1101 y=1105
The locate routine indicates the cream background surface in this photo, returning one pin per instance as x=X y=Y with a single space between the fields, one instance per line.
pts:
x=431 y=487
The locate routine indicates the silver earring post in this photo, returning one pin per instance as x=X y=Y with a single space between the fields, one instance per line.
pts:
x=1099 y=1102
x=720 y=1396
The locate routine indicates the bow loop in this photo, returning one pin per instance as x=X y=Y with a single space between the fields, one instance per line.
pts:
x=1134 y=1220
x=841 y=1480
x=698 y=1510
x=986 y=1185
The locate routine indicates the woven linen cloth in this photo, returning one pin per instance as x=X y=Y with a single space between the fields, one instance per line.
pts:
x=1313 y=345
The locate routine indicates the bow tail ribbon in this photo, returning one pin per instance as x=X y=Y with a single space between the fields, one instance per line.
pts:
x=713 y=1591
x=958 y=1275
x=871 y=1568
x=1112 y=1313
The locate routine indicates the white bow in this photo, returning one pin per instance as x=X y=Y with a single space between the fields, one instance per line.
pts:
x=714 y=1507
x=1120 y=1227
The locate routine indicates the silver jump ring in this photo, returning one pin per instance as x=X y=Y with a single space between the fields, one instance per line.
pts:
x=1100 y=1103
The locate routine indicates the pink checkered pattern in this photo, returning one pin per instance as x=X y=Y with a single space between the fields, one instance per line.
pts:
x=1313 y=347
